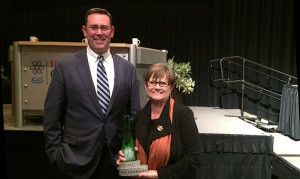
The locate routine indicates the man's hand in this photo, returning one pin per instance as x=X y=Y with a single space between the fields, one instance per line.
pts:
x=121 y=158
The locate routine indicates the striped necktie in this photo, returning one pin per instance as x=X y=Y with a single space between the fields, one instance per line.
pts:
x=102 y=86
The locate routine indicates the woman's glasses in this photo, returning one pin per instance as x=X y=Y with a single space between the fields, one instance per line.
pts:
x=160 y=83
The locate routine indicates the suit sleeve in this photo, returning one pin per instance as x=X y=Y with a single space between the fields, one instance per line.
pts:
x=54 y=112
x=135 y=99
x=191 y=145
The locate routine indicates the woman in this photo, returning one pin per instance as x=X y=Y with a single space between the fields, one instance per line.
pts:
x=166 y=135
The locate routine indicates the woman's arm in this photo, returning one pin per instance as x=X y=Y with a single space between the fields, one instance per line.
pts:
x=187 y=132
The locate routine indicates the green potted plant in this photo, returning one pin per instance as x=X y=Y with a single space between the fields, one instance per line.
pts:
x=183 y=81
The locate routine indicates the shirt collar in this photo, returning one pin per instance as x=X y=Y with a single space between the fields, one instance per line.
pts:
x=95 y=55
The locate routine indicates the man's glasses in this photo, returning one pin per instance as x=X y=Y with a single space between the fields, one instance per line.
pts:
x=95 y=28
x=160 y=83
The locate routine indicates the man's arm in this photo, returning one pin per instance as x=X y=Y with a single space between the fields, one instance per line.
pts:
x=54 y=112
x=135 y=98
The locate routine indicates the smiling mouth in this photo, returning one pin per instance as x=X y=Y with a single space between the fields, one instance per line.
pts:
x=99 y=40
x=156 y=92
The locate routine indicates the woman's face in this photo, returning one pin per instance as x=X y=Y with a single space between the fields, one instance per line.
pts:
x=158 y=90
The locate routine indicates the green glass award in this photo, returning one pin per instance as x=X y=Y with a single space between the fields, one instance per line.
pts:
x=131 y=167
x=128 y=141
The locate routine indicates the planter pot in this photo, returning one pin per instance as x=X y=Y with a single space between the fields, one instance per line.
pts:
x=177 y=95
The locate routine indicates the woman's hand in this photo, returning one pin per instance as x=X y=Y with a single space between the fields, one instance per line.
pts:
x=149 y=174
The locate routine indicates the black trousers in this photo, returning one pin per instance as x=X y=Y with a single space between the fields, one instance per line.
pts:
x=105 y=169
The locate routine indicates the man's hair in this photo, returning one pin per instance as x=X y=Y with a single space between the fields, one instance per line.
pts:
x=97 y=11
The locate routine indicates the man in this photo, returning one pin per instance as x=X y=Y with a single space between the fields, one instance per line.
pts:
x=82 y=136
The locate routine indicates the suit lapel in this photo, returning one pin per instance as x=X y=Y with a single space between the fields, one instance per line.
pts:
x=86 y=78
x=117 y=81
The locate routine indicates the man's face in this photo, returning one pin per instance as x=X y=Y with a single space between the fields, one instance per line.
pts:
x=99 y=32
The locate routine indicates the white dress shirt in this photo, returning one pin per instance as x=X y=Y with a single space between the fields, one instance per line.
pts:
x=108 y=64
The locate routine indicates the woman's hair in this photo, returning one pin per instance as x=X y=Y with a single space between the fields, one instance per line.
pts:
x=158 y=71
x=97 y=11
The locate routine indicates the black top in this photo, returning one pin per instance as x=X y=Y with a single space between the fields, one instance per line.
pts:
x=185 y=150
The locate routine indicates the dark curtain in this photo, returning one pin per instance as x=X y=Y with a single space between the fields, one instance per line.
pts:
x=235 y=156
x=260 y=31
x=235 y=165
x=192 y=31
x=289 y=121
x=283 y=169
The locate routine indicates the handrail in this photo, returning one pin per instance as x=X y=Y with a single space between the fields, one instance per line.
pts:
x=244 y=64
x=290 y=77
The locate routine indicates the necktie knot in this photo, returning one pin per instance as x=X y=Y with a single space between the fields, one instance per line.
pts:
x=100 y=58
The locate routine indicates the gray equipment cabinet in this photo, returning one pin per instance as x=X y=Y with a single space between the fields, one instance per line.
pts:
x=33 y=62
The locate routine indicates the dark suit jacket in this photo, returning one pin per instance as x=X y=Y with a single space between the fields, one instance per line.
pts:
x=75 y=128
x=185 y=150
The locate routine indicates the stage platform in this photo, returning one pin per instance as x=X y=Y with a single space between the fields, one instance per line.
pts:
x=249 y=150
x=214 y=121
x=232 y=148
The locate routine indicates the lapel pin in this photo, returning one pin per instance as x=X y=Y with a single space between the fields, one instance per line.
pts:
x=160 y=128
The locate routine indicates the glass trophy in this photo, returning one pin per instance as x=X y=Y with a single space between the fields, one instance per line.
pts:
x=131 y=167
